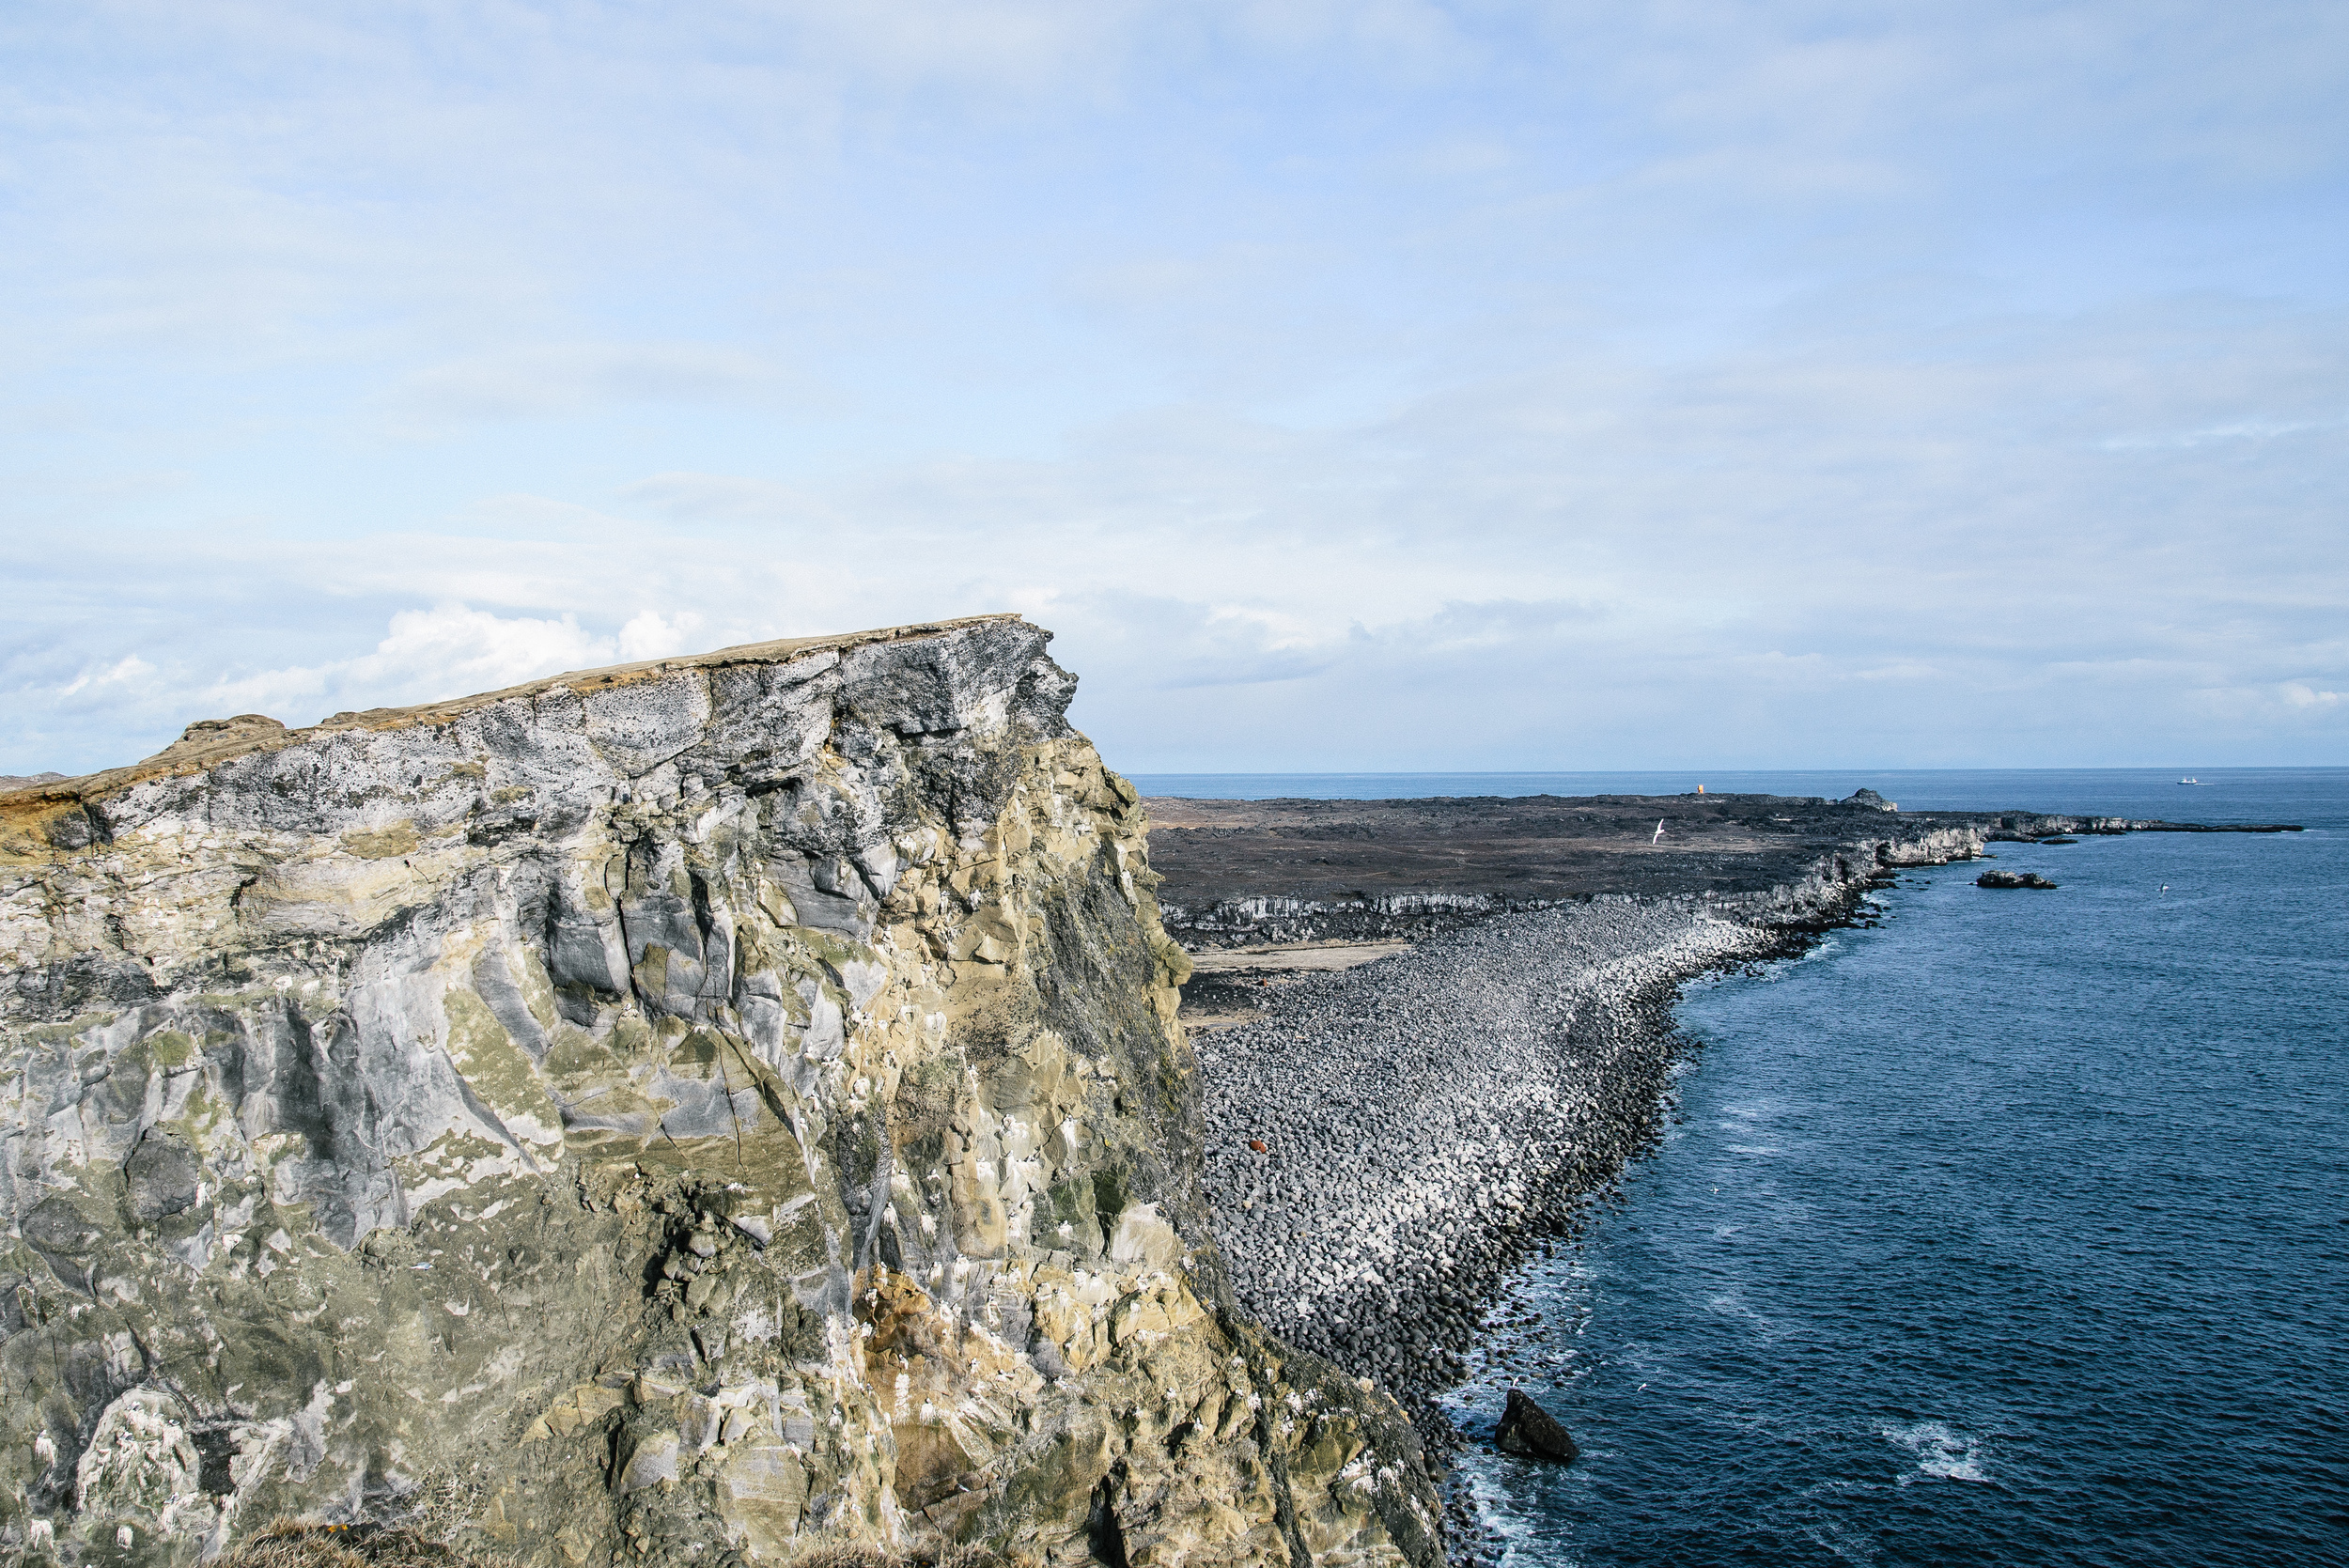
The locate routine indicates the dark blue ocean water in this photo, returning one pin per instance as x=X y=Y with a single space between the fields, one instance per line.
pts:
x=2013 y=1232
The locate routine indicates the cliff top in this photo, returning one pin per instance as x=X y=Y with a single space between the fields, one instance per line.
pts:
x=210 y=742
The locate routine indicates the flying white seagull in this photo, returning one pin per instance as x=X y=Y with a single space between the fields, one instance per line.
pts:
x=1659 y=832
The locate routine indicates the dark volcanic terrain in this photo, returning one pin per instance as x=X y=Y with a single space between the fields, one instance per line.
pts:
x=1499 y=852
x=1513 y=849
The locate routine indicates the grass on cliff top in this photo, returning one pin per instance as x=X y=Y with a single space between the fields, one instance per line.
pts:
x=291 y=1543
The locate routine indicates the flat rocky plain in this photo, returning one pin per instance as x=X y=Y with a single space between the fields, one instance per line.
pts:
x=1541 y=846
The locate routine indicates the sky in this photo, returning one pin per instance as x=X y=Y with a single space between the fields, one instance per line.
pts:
x=1371 y=386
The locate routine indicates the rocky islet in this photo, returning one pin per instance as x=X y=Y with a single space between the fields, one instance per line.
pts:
x=1530 y=1432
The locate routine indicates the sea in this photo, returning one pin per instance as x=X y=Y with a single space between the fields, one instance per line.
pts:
x=2012 y=1231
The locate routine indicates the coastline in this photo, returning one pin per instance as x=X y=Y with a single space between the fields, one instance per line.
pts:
x=1445 y=1114
x=1909 y=1188
x=1432 y=1118
x=1437 y=1118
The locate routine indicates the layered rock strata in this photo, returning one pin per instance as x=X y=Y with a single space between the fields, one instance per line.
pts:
x=690 y=1113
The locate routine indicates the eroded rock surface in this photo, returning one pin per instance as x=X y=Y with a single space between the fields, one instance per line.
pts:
x=678 y=1114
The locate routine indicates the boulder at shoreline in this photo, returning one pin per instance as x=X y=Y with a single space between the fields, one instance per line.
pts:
x=1530 y=1432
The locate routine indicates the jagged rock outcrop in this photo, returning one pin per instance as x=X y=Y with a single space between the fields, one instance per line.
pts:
x=677 y=1113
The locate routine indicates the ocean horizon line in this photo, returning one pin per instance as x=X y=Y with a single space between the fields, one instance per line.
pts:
x=1716 y=772
x=2211 y=793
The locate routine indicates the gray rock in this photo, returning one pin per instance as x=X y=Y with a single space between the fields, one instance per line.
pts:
x=164 y=1175
x=384 y=1099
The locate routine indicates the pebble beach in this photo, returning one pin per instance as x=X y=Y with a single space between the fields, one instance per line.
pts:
x=1389 y=1142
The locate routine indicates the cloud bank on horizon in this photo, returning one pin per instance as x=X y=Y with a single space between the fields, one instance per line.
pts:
x=1370 y=385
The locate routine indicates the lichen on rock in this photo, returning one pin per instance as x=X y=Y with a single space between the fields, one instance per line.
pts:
x=702 y=1110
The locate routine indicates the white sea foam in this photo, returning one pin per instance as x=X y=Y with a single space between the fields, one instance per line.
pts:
x=1942 y=1453
x=1852 y=1546
x=1524 y=1537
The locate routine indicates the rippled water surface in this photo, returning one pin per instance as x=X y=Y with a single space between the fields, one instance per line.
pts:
x=2013 y=1232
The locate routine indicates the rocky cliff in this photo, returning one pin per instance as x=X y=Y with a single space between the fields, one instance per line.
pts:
x=686 y=1112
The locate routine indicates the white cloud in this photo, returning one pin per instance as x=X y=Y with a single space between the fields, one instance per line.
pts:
x=549 y=379
x=651 y=635
x=2239 y=430
x=123 y=673
x=1348 y=380
x=1022 y=45
x=427 y=655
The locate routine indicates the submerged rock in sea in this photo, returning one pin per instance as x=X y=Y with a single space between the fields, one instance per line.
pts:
x=1530 y=1432
x=2011 y=879
x=706 y=1111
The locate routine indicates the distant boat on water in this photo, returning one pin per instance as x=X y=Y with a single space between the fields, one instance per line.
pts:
x=2190 y=779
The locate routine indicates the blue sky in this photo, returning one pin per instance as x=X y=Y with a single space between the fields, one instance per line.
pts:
x=1350 y=386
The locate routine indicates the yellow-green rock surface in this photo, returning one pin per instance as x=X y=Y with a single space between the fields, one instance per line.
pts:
x=694 y=1111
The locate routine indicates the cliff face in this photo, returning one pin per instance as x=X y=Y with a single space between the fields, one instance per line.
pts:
x=701 y=1108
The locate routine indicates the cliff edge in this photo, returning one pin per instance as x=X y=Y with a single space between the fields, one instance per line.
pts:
x=692 y=1112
